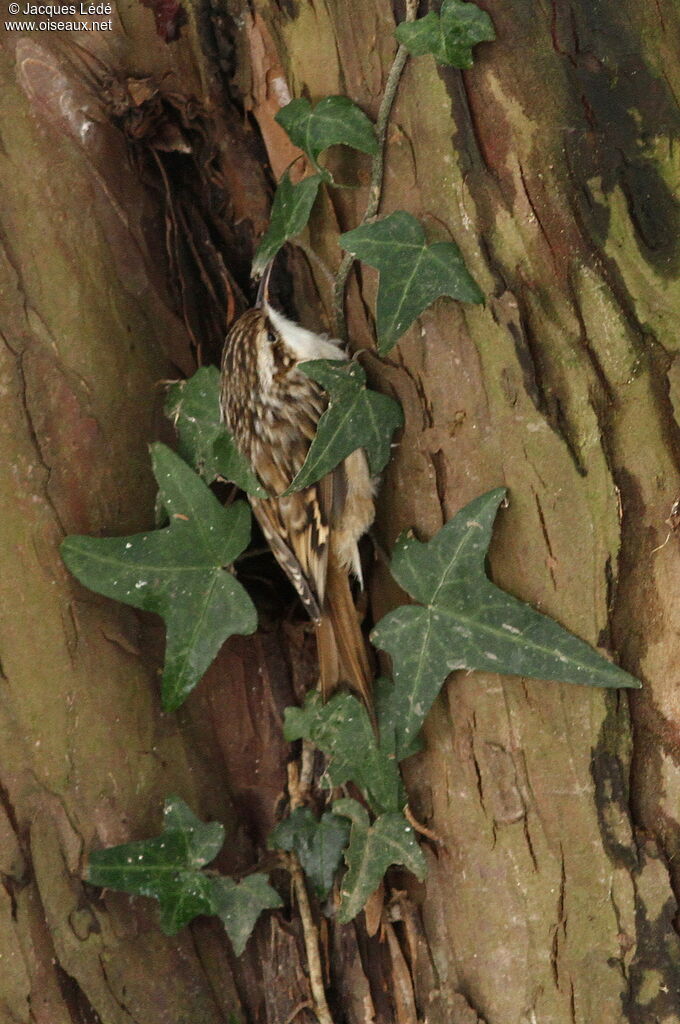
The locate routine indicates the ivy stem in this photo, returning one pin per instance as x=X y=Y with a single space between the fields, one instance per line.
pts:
x=311 y=937
x=377 y=172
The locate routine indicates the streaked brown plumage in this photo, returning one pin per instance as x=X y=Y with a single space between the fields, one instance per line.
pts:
x=272 y=409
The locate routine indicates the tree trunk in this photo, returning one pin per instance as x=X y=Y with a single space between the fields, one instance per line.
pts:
x=552 y=164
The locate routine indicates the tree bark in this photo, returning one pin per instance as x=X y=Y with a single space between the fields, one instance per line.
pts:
x=553 y=165
x=87 y=756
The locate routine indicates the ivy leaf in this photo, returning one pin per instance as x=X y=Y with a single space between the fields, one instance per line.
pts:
x=178 y=572
x=166 y=867
x=204 y=441
x=390 y=714
x=465 y=622
x=319 y=844
x=231 y=465
x=290 y=212
x=356 y=417
x=449 y=35
x=239 y=904
x=335 y=120
x=342 y=730
x=371 y=851
x=412 y=273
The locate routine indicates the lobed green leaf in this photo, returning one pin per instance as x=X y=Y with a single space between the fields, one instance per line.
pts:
x=335 y=120
x=204 y=441
x=290 y=212
x=372 y=850
x=166 y=867
x=450 y=35
x=239 y=904
x=465 y=622
x=318 y=843
x=341 y=729
x=179 y=572
x=356 y=417
x=412 y=273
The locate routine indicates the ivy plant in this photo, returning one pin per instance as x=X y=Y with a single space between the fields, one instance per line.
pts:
x=180 y=572
x=334 y=121
x=412 y=273
x=290 y=212
x=342 y=730
x=202 y=440
x=373 y=848
x=356 y=417
x=450 y=35
x=464 y=621
x=169 y=868
x=319 y=844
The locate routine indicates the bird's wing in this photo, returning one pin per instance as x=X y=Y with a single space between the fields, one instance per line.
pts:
x=296 y=529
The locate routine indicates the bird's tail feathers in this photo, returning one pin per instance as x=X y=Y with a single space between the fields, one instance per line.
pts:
x=343 y=657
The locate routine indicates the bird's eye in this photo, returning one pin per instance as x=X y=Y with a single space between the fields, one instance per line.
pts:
x=271 y=337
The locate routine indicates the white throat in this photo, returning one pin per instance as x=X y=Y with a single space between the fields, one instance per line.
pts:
x=302 y=343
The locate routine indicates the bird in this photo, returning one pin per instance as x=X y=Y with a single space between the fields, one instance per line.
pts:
x=272 y=410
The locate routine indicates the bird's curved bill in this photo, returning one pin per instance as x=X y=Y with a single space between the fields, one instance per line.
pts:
x=263 y=289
